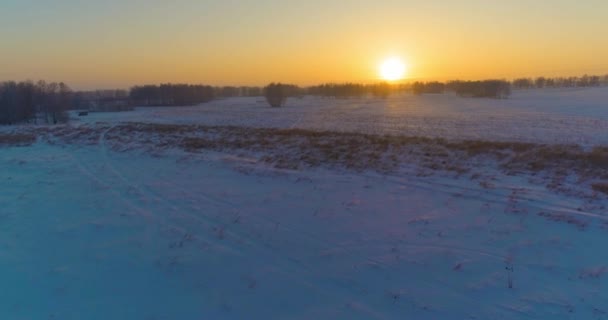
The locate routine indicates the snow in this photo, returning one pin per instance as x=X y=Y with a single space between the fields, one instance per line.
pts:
x=87 y=232
x=573 y=115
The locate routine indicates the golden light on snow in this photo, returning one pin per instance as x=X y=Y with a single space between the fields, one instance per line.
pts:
x=393 y=69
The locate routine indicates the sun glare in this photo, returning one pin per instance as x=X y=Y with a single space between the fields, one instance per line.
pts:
x=392 y=69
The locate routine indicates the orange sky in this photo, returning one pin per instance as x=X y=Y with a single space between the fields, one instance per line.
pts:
x=95 y=44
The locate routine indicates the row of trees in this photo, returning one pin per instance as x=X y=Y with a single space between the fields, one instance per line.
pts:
x=428 y=87
x=542 y=82
x=276 y=93
x=499 y=89
x=47 y=102
x=101 y=100
x=171 y=94
x=157 y=95
x=29 y=102
x=351 y=90
x=231 y=91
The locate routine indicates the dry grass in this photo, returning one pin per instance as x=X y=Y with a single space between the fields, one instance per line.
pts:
x=297 y=148
x=15 y=139
x=86 y=135
x=579 y=222
x=598 y=157
x=600 y=187
x=156 y=128
x=479 y=147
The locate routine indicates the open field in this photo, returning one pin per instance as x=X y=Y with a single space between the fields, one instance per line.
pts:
x=564 y=116
x=431 y=207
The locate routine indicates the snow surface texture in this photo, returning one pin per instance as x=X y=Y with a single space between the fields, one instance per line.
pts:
x=574 y=115
x=87 y=232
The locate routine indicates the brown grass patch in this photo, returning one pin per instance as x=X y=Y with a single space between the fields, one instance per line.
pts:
x=598 y=157
x=16 y=139
x=600 y=187
x=566 y=218
x=157 y=128
x=297 y=148
x=361 y=151
x=478 y=147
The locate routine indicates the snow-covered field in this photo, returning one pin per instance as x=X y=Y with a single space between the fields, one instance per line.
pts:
x=95 y=226
x=572 y=115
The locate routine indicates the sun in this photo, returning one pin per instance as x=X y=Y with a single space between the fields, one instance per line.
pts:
x=392 y=69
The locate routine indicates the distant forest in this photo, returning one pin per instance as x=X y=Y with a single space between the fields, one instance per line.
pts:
x=171 y=95
x=47 y=103
x=39 y=102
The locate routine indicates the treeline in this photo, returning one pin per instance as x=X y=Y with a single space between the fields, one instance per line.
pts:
x=27 y=101
x=428 y=87
x=232 y=91
x=498 y=89
x=186 y=94
x=560 y=82
x=102 y=100
x=44 y=102
x=502 y=88
x=277 y=93
x=353 y=90
x=171 y=94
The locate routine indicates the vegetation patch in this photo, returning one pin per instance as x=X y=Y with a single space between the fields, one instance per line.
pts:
x=300 y=148
x=16 y=139
x=566 y=218
x=600 y=187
